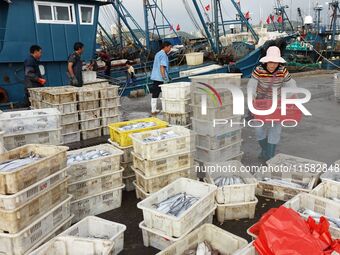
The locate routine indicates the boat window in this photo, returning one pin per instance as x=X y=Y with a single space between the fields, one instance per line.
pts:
x=58 y=13
x=86 y=14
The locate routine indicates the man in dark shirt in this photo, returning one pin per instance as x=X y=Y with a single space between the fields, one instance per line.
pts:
x=75 y=65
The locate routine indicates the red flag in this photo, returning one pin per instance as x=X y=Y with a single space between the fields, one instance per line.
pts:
x=247 y=15
x=178 y=28
x=272 y=17
x=268 y=20
x=279 y=19
x=171 y=28
x=207 y=8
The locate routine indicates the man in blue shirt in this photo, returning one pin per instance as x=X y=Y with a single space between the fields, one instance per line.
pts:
x=160 y=74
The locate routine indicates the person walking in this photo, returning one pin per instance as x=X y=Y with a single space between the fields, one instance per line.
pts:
x=159 y=74
x=269 y=75
x=75 y=65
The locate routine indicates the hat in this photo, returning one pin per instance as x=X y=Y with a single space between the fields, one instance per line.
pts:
x=273 y=55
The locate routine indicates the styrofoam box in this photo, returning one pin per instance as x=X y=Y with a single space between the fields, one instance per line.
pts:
x=127 y=156
x=178 y=91
x=91 y=133
x=69 y=118
x=177 y=226
x=249 y=250
x=63 y=108
x=128 y=182
x=71 y=138
x=176 y=106
x=226 y=98
x=195 y=58
x=109 y=112
x=328 y=190
x=97 y=204
x=21 y=242
x=96 y=228
x=220 y=82
x=219 y=239
x=235 y=211
x=88 y=93
x=127 y=169
x=160 y=241
x=218 y=142
x=89 y=105
x=177 y=119
x=200 y=70
x=29 y=121
x=11 y=202
x=232 y=193
x=89 y=114
x=95 y=185
x=70 y=128
x=213 y=113
x=93 y=168
x=140 y=193
x=184 y=142
x=110 y=102
x=217 y=128
x=319 y=205
x=108 y=120
x=52 y=137
x=90 y=124
x=74 y=246
x=52 y=161
x=219 y=155
x=155 y=183
x=156 y=167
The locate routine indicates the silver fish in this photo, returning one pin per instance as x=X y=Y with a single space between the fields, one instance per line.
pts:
x=333 y=221
x=283 y=182
x=139 y=125
x=12 y=165
x=159 y=137
x=85 y=156
x=230 y=180
x=203 y=248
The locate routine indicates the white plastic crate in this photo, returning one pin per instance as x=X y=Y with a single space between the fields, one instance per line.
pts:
x=220 y=82
x=225 y=96
x=88 y=93
x=219 y=155
x=332 y=174
x=12 y=202
x=232 y=193
x=213 y=113
x=60 y=95
x=218 y=142
x=127 y=156
x=110 y=102
x=248 y=250
x=328 y=190
x=97 y=204
x=109 y=112
x=89 y=105
x=93 y=168
x=127 y=169
x=199 y=70
x=177 y=226
x=2 y=146
x=96 y=228
x=154 y=183
x=177 y=91
x=140 y=193
x=63 y=108
x=105 y=131
x=236 y=211
x=52 y=137
x=128 y=182
x=29 y=121
x=160 y=241
x=89 y=76
x=108 y=120
x=91 y=133
x=195 y=58
x=74 y=246
x=183 y=142
x=71 y=138
x=90 y=124
x=219 y=239
x=95 y=185
x=20 y=243
x=90 y=114
x=177 y=119
x=69 y=118
x=70 y=128
x=217 y=128
x=156 y=167
x=108 y=91
x=176 y=106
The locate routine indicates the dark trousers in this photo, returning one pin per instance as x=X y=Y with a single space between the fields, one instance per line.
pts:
x=155 y=89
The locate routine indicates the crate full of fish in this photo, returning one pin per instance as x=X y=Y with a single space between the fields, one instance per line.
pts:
x=217 y=82
x=220 y=141
x=29 y=121
x=93 y=161
x=120 y=132
x=12 y=202
x=177 y=91
x=88 y=93
x=71 y=137
x=24 y=166
x=308 y=205
x=13 y=221
x=164 y=165
x=207 y=239
x=164 y=142
x=89 y=114
x=140 y=193
x=177 y=207
x=234 y=184
x=19 y=243
x=212 y=113
x=96 y=185
x=161 y=241
x=177 y=119
x=236 y=211
x=69 y=118
x=127 y=156
x=60 y=95
x=97 y=204
x=108 y=91
x=110 y=102
x=176 y=106
x=91 y=133
x=66 y=108
x=328 y=190
x=52 y=137
x=96 y=228
x=154 y=183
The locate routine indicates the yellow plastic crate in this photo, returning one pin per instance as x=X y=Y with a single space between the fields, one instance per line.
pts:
x=123 y=137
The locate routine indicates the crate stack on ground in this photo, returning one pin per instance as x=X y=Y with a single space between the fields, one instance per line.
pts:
x=221 y=142
x=41 y=126
x=234 y=200
x=96 y=180
x=34 y=204
x=120 y=138
x=160 y=157
x=176 y=103
x=337 y=87
x=161 y=228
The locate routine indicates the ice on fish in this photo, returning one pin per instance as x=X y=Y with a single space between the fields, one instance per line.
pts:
x=203 y=248
x=88 y=155
x=286 y=183
x=335 y=199
x=177 y=204
x=227 y=181
x=160 y=137
x=309 y=213
x=12 y=165
x=139 y=125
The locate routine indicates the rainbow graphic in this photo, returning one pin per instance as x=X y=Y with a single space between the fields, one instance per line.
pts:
x=213 y=94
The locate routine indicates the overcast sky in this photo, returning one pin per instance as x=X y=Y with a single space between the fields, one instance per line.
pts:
x=177 y=14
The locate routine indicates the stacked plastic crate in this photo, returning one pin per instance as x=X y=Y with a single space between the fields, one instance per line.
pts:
x=160 y=157
x=176 y=103
x=337 y=87
x=96 y=180
x=212 y=100
x=34 y=204
x=32 y=126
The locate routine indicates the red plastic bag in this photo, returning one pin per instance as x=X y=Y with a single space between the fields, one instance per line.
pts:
x=283 y=231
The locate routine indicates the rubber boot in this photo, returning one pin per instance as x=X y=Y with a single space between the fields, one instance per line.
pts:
x=271 y=148
x=154 y=110
x=263 y=143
